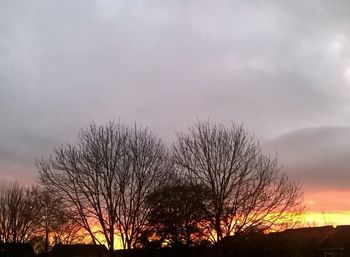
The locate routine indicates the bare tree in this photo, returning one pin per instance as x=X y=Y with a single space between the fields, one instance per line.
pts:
x=55 y=225
x=248 y=191
x=143 y=171
x=104 y=179
x=67 y=231
x=19 y=213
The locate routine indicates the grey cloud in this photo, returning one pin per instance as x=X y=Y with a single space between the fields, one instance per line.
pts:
x=273 y=66
x=319 y=157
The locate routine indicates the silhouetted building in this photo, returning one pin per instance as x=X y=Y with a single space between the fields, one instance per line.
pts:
x=302 y=242
x=336 y=244
x=16 y=250
x=79 y=250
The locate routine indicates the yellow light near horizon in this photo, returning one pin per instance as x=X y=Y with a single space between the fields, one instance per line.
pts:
x=117 y=241
x=100 y=237
x=326 y=218
x=308 y=219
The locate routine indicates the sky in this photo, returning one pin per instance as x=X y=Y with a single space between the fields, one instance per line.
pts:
x=280 y=68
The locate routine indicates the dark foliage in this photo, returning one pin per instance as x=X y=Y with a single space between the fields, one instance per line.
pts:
x=177 y=209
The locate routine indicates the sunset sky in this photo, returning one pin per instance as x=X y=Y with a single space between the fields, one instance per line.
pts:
x=280 y=68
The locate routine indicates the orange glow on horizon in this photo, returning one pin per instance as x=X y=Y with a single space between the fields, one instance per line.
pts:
x=327 y=201
x=308 y=219
x=326 y=207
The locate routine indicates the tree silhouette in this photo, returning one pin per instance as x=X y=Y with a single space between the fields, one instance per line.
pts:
x=19 y=213
x=247 y=190
x=105 y=179
x=55 y=224
x=176 y=211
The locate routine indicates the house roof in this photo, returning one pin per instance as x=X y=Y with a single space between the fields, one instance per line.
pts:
x=77 y=250
x=337 y=238
x=311 y=236
x=317 y=234
x=16 y=249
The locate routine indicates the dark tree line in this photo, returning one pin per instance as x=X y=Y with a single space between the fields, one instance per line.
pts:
x=18 y=213
x=32 y=214
x=122 y=182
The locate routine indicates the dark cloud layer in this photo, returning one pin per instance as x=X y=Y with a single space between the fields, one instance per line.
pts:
x=280 y=68
x=319 y=157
